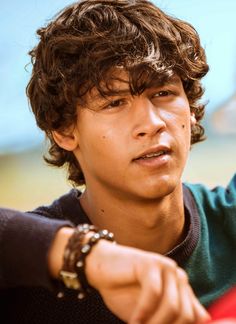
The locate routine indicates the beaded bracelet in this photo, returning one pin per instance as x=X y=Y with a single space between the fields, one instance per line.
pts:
x=73 y=270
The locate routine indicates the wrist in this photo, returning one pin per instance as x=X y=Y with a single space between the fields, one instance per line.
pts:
x=56 y=251
x=95 y=261
x=80 y=244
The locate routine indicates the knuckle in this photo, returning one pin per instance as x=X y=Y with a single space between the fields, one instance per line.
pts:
x=141 y=315
x=156 y=291
x=174 y=313
x=188 y=315
x=172 y=264
x=153 y=284
x=182 y=275
x=166 y=262
x=174 y=310
x=189 y=319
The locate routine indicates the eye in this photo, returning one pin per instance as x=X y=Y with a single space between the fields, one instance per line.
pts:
x=162 y=93
x=115 y=104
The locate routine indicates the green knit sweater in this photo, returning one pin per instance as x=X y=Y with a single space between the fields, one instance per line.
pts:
x=212 y=265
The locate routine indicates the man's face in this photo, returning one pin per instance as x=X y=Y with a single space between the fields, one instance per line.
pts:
x=134 y=146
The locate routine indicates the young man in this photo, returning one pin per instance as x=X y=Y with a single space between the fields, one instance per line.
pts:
x=116 y=88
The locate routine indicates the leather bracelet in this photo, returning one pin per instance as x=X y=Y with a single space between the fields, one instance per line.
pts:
x=73 y=269
x=71 y=254
x=85 y=250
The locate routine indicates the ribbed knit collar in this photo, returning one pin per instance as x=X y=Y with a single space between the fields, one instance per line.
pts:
x=183 y=250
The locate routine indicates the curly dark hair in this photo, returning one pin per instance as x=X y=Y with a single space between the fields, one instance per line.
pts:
x=88 y=39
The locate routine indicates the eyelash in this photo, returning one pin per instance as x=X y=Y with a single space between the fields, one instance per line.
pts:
x=119 y=102
x=114 y=104
x=163 y=93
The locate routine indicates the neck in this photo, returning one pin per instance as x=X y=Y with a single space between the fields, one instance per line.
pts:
x=155 y=225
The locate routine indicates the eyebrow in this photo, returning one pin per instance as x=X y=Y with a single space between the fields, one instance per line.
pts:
x=175 y=80
x=113 y=93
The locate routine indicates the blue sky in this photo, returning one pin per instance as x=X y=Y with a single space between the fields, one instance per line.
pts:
x=214 y=20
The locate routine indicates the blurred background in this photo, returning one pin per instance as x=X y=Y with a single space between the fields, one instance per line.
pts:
x=25 y=179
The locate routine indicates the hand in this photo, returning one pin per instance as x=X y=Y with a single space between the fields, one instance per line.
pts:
x=142 y=287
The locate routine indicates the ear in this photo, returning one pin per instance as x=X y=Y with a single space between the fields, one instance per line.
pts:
x=66 y=139
x=193 y=120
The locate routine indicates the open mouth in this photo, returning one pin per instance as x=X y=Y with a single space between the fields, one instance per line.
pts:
x=152 y=155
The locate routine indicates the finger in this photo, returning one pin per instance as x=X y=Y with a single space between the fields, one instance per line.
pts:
x=150 y=296
x=169 y=308
x=201 y=315
x=191 y=309
x=187 y=313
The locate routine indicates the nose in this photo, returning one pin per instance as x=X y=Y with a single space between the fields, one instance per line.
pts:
x=147 y=118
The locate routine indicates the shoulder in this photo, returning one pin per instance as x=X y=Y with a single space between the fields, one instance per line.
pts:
x=66 y=207
x=216 y=246
x=217 y=204
x=216 y=198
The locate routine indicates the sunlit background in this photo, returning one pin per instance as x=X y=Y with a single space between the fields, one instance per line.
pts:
x=26 y=181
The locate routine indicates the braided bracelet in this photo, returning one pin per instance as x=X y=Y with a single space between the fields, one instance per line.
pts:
x=73 y=270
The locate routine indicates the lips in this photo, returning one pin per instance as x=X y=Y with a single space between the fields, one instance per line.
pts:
x=153 y=153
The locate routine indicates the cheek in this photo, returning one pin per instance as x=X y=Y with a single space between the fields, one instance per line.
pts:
x=186 y=126
x=183 y=130
x=186 y=130
x=112 y=149
x=180 y=123
x=104 y=144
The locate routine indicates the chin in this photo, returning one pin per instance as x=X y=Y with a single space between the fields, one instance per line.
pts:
x=158 y=190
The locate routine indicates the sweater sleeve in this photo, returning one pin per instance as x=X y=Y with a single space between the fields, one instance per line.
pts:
x=24 y=243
